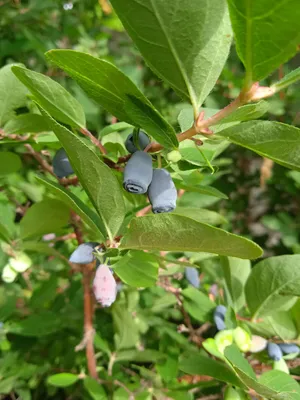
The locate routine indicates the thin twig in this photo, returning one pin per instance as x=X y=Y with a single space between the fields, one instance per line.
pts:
x=40 y=159
x=94 y=140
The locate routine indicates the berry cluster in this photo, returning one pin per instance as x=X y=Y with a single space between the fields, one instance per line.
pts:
x=140 y=177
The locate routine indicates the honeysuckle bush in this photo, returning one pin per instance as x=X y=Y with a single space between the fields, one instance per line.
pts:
x=154 y=331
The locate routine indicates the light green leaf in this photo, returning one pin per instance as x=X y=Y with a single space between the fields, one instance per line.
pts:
x=273 y=285
x=236 y=272
x=127 y=335
x=9 y=163
x=12 y=94
x=101 y=80
x=146 y=355
x=284 y=384
x=245 y=372
x=137 y=269
x=201 y=155
x=45 y=217
x=186 y=116
x=26 y=123
x=146 y=117
x=196 y=364
x=62 y=380
x=72 y=201
x=201 y=215
x=256 y=25
x=94 y=389
x=208 y=190
x=287 y=80
x=97 y=179
x=4 y=233
x=117 y=127
x=178 y=233
x=52 y=96
x=40 y=247
x=279 y=142
x=186 y=44
x=197 y=304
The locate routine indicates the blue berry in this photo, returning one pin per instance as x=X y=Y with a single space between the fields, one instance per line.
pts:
x=84 y=253
x=192 y=276
x=220 y=310
x=143 y=141
x=219 y=322
x=61 y=164
x=274 y=351
x=138 y=173
x=162 y=192
x=289 y=348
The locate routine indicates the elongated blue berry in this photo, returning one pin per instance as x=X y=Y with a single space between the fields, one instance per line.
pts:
x=274 y=351
x=143 y=142
x=289 y=348
x=219 y=317
x=192 y=276
x=138 y=173
x=84 y=253
x=104 y=286
x=162 y=192
x=61 y=164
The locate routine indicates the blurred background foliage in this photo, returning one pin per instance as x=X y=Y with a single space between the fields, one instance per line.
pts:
x=263 y=205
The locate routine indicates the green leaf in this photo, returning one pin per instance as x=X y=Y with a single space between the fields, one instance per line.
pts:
x=117 y=127
x=279 y=142
x=284 y=384
x=94 y=389
x=197 y=304
x=127 y=335
x=185 y=44
x=4 y=233
x=99 y=182
x=208 y=190
x=37 y=325
x=196 y=364
x=236 y=273
x=273 y=285
x=72 y=201
x=45 y=217
x=12 y=94
x=62 y=380
x=9 y=163
x=26 y=123
x=52 y=96
x=245 y=372
x=146 y=117
x=201 y=215
x=256 y=25
x=173 y=232
x=243 y=114
x=146 y=355
x=137 y=269
x=287 y=80
x=101 y=80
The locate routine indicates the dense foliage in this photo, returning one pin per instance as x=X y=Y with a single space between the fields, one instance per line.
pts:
x=149 y=206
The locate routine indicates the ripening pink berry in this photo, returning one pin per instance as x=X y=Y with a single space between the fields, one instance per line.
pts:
x=104 y=286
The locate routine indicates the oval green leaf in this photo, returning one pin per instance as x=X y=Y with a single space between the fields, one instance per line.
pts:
x=52 y=96
x=9 y=163
x=26 y=123
x=273 y=285
x=62 y=380
x=274 y=140
x=173 y=232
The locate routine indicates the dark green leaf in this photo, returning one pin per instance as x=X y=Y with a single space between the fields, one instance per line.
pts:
x=137 y=269
x=279 y=142
x=146 y=117
x=273 y=285
x=101 y=80
x=72 y=201
x=178 y=233
x=197 y=304
x=186 y=44
x=256 y=26
x=37 y=325
x=236 y=272
x=26 y=123
x=52 y=96
x=196 y=364
x=96 y=178
x=208 y=190
x=45 y=217
x=94 y=389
